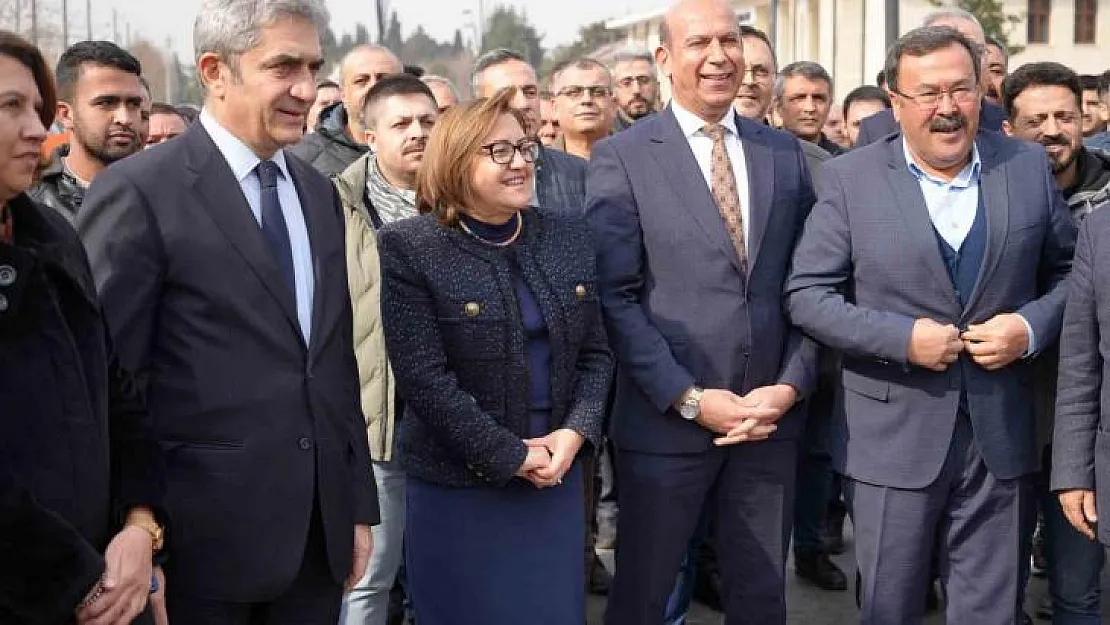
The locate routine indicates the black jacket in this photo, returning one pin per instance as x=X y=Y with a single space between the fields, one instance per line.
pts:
x=456 y=343
x=561 y=182
x=58 y=189
x=1092 y=191
x=330 y=150
x=75 y=446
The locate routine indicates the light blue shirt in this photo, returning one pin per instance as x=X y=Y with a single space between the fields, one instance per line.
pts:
x=243 y=161
x=953 y=203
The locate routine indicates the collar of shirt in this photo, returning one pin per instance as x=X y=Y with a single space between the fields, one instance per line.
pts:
x=239 y=157
x=692 y=125
x=967 y=177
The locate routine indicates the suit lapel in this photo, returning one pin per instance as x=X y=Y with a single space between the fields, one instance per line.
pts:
x=910 y=204
x=996 y=202
x=675 y=159
x=760 y=159
x=212 y=180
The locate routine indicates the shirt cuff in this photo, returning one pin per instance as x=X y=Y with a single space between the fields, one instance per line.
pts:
x=1032 y=348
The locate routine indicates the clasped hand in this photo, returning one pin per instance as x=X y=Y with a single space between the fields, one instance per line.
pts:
x=992 y=345
x=748 y=418
x=549 y=457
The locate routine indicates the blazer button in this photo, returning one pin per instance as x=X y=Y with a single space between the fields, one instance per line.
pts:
x=580 y=291
x=7 y=275
x=472 y=309
x=3 y=303
x=304 y=443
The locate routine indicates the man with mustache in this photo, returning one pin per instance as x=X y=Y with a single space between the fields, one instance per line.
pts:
x=1094 y=113
x=100 y=102
x=935 y=263
x=548 y=132
x=637 y=87
x=997 y=62
x=1044 y=103
x=991 y=115
x=584 y=105
x=378 y=189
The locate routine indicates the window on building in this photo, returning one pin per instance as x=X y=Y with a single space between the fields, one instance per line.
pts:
x=1038 y=20
x=1086 y=18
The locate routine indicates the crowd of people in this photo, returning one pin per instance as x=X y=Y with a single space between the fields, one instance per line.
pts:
x=365 y=350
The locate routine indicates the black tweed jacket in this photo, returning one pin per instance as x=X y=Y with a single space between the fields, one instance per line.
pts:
x=456 y=343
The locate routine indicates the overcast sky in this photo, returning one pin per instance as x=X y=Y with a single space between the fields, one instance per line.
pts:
x=156 y=20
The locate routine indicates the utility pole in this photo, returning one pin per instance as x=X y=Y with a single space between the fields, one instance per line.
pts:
x=88 y=20
x=892 y=22
x=65 y=24
x=115 y=27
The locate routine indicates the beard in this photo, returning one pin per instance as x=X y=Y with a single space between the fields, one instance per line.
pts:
x=637 y=108
x=1066 y=159
x=99 y=147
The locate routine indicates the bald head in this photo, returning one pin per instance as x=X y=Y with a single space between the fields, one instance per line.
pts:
x=702 y=55
x=961 y=20
x=359 y=70
x=688 y=8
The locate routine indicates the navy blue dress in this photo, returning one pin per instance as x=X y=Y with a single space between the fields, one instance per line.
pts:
x=501 y=556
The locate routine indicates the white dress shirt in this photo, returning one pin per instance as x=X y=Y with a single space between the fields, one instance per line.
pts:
x=243 y=162
x=702 y=145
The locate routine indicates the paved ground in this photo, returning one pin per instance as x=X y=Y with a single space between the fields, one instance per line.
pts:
x=809 y=605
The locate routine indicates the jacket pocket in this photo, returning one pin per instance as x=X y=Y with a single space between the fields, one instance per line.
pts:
x=868 y=387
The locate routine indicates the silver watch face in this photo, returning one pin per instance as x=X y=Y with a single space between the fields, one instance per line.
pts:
x=689 y=411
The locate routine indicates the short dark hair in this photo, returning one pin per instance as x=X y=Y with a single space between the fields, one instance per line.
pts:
x=806 y=69
x=490 y=59
x=1104 y=84
x=584 y=62
x=866 y=93
x=1035 y=75
x=23 y=52
x=389 y=86
x=413 y=70
x=102 y=53
x=327 y=84
x=880 y=79
x=752 y=31
x=161 y=108
x=1088 y=82
x=926 y=40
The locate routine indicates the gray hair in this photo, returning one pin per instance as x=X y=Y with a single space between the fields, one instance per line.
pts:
x=491 y=59
x=952 y=13
x=996 y=42
x=579 y=63
x=231 y=27
x=429 y=79
x=806 y=69
x=632 y=56
x=926 y=40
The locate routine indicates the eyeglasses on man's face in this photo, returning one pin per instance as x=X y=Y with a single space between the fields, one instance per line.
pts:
x=931 y=99
x=642 y=79
x=575 y=92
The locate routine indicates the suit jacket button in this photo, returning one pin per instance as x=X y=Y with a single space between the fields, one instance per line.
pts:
x=7 y=275
x=3 y=303
x=580 y=291
x=304 y=443
x=472 y=309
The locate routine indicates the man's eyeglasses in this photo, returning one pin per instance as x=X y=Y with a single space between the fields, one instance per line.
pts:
x=758 y=72
x=932 y=99
x=577 y=91
x=502 y=152
x=643 y=80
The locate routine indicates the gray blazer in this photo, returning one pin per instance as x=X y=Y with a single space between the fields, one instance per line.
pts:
x=1081 y=441
x=868 y=264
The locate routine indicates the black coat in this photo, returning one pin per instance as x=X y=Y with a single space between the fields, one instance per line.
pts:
x=456 y=342
x=75 y=447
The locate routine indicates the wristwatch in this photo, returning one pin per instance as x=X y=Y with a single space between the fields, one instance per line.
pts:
x=145 y=521
x=690 y=406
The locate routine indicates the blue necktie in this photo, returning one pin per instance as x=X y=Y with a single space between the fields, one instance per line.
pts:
x=273 y=222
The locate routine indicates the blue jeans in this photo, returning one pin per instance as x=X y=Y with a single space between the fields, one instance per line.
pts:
x=1074 y=564
x=368 y=601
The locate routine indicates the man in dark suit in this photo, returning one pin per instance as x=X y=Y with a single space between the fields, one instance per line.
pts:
x=935 y=263
x=220 y=264
x=695 y=212
x=991 y=115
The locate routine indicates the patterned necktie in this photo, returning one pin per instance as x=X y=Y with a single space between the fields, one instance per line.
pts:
x=725 y=193
x=273 y=222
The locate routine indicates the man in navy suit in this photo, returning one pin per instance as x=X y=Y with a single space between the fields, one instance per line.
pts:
x=220 y=263
x=695 y=212
x=991 y=115
x=935 y=262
